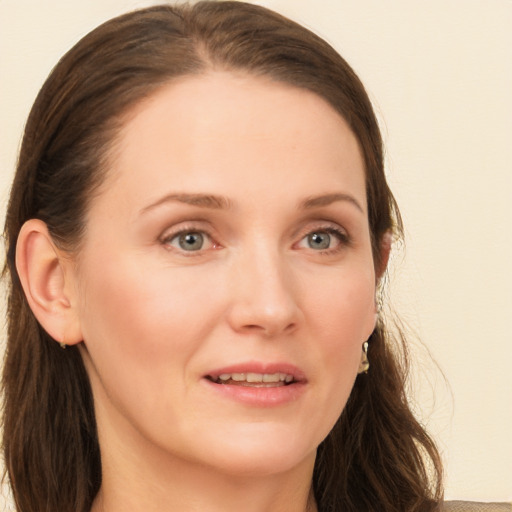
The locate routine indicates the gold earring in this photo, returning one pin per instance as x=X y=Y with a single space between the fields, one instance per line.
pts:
x=364 y=364
x=62 y=345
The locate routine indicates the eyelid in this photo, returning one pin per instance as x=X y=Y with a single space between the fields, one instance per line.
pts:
x=172 y=233
x=330 y=228
x=321 y=225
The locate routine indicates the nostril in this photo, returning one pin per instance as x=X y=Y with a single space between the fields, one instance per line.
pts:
x=260 y=329
x=290 y=327
x=271 y=329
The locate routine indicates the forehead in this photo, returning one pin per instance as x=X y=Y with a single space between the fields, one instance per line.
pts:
x=235 y=132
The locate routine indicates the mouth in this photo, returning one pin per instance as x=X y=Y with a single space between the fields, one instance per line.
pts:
x=258 y=384
x=252 y=379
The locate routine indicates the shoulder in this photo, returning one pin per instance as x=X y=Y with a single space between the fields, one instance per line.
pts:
x=473 y=506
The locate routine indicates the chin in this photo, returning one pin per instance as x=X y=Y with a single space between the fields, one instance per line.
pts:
x=262 y=465
x=260 y=452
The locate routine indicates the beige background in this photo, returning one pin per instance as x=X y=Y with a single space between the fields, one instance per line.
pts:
x=440 y=75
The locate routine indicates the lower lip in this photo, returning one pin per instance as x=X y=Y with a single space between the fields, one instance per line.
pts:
x=259 y=396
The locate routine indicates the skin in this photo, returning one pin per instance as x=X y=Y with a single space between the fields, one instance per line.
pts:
x=155 y=318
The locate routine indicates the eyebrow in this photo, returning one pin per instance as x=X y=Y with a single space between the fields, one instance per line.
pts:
x=327 y=199
x=216 y=202
x=202 y=200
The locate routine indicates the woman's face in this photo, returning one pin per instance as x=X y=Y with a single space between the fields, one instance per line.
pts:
x=226 y=283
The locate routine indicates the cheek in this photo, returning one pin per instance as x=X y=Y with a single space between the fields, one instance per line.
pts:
x=141 y=326
x=142 y=333
x=344 y=309
x=342 y=318
x=128 y=305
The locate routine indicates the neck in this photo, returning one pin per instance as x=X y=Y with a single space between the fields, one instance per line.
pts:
x=181 y=486
x=144 y=478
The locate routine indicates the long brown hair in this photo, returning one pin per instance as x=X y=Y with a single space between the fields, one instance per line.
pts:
x=377 y=457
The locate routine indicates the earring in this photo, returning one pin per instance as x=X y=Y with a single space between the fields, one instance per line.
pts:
x=62 y=345
x=364 y=364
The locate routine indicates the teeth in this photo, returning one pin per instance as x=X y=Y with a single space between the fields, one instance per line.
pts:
x=256 y=377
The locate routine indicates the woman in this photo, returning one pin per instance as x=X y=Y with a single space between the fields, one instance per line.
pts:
x=197 y=232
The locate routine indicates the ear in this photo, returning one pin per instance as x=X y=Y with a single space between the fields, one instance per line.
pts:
x=384 y=250
x=46 y=278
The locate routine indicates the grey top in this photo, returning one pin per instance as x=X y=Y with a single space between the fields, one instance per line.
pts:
x=473 y=506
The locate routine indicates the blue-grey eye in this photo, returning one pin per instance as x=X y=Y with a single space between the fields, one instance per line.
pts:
x=191 y=241
x=319 y=240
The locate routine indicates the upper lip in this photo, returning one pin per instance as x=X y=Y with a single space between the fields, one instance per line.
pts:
x=259 y=367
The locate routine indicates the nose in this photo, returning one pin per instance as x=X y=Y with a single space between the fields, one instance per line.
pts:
x=264 y=296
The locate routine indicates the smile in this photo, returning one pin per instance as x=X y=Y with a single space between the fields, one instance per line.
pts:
x=257 y=384
x=254 y=379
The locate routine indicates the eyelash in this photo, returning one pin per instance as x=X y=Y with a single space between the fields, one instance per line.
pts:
x=166 y=239
x=342 y=236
